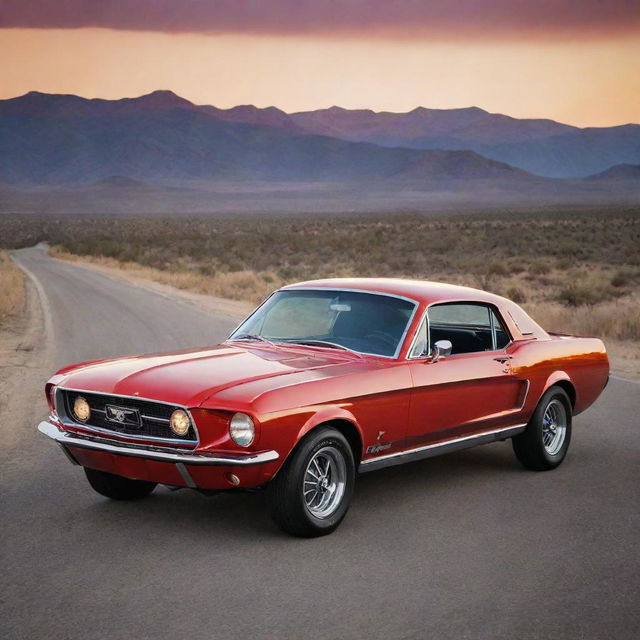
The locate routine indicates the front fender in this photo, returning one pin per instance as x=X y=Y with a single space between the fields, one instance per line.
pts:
x=328 y=414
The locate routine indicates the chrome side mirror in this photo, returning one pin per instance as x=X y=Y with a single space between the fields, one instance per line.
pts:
x=441 y=349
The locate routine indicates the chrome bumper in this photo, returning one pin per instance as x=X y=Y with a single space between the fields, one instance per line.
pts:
x=65 y=438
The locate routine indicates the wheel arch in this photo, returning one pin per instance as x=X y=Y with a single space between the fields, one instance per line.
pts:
x=351 y=433
x=339 y=419
x=562 y=380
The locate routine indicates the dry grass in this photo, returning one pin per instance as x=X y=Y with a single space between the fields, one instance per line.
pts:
x=618 y=319
x=611 y=316
x=235 y=285
x=12 y=289
x=576 y=271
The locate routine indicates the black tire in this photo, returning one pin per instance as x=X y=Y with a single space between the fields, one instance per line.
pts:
x=117 y=487
x=285 y=493
x=529 y=446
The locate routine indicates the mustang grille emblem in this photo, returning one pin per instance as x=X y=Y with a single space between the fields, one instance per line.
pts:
x=123 y=416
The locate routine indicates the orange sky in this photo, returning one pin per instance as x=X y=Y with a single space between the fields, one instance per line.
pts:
x=591 y=81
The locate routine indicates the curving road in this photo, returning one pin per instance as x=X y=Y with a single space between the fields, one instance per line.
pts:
x=468 y=545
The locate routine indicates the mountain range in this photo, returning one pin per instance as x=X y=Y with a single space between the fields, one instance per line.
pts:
x=543 y=147
x=162 y=140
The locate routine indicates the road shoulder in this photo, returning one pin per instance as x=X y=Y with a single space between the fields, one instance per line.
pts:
x=235 y=310
x=26 y=361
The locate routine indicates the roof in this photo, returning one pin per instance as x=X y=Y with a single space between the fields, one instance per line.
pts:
x=419 y=290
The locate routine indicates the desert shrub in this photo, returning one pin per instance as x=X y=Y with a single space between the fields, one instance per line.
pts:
x=617 y=319
x=577 y=294
x=539 y=268
x=564 y=263
x=570 y=259
x=497 y=269
x=516 y=294
x=624 y=278
x=207 y=269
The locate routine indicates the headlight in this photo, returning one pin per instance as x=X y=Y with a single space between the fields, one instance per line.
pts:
x=241 y=429
x=180 y=422
x=81 y=409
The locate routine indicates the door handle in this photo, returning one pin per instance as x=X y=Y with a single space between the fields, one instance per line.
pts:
x=503 y=358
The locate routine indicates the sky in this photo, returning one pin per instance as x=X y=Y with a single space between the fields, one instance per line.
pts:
x=576 y=61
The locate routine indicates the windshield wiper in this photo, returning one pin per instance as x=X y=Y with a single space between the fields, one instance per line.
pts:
x=252 y=336
x=324 y=343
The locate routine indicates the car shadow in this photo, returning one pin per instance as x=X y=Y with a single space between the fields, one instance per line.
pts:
x=242 y=516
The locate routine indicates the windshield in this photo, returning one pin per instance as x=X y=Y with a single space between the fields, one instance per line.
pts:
x=367 y=323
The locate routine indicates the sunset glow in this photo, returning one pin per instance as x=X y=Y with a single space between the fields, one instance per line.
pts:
x=586 y=74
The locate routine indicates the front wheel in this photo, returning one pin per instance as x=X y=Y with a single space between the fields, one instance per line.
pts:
x=310 y=495
x=544 y=443
x=117 y=487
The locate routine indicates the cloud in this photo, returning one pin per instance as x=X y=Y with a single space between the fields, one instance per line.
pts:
x=390 y=18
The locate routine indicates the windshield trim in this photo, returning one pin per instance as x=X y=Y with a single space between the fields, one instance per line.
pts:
x=403 y=337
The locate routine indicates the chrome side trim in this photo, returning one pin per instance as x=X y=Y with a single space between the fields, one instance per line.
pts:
x=525 y=395
x=438 y=448
x=66 y=438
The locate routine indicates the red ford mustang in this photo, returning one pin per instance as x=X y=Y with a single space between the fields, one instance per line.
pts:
x=326 y=379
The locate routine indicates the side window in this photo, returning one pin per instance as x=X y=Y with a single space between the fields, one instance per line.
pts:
x=469 y=327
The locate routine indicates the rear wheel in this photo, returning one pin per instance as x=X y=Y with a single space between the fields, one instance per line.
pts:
x=117 y=487
x=310 y=495
x=544 y=443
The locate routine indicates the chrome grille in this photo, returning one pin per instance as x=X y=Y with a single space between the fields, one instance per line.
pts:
x=134 y=417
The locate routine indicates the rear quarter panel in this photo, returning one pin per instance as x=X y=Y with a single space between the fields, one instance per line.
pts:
x=582 y=362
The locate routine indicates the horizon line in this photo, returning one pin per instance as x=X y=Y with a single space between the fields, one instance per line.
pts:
x=290 y=113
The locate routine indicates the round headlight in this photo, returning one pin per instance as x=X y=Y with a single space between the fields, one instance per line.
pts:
x=81 y=409
x=241 y=429
x=180 y=422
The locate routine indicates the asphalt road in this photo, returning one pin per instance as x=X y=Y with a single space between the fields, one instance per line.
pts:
x=468 y=545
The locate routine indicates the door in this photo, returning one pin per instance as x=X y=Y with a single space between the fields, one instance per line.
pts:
x=470 y=391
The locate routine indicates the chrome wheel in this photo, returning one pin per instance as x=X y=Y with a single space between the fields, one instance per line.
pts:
x=324 y=482
x=554 y=427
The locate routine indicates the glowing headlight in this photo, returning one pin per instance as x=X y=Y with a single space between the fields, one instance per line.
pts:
x=241 y=429
x=180 y=422
x=81 y=409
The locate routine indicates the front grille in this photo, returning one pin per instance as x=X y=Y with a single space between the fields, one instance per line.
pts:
x=138 y=418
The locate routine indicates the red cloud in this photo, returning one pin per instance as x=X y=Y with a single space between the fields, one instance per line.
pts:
x=398 y=18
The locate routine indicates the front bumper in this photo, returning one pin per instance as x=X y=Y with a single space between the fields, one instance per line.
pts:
x=178 y=468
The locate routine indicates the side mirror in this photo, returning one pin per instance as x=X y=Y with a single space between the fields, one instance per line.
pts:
x=441 y=349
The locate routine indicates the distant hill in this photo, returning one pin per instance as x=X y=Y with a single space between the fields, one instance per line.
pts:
x=471 y=125
x=574 y=154
x=543 y=147
x=619 y=172
x=163 y=153
x=163 y=139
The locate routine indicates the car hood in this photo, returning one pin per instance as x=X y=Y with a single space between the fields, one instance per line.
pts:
x=189 y=378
